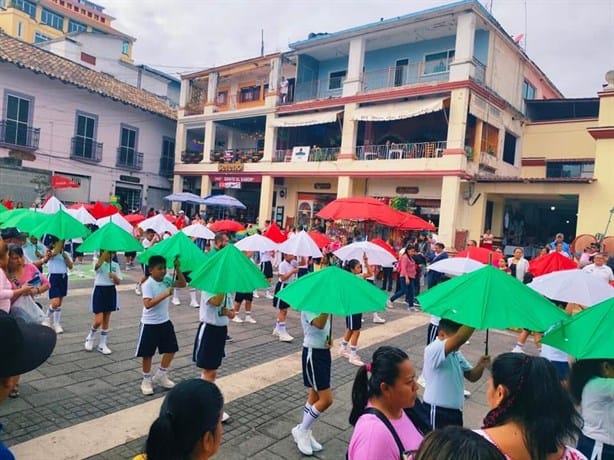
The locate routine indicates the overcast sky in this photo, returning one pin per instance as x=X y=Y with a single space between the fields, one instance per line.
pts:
x=572 y=41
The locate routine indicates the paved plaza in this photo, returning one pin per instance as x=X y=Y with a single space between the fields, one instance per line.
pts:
x=86 y=405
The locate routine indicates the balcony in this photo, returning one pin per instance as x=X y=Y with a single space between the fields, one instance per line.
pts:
x=395 y=76
x=401 y=151
x=85 y=150
x=18 y=136
x=488 y=161
x=318 y=89
x=167 y=166
x=191 y=157
x=237 y=156
x=315 y=154
x=128 y=158
x=480 y=71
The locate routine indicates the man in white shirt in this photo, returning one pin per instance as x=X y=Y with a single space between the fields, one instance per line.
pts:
x=599 y=269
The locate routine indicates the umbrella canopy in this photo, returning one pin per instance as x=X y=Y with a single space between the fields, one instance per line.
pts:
x=23 y=219
x=300 y=245
x=134 y=219
x=100 y=210
x=256 y=243
x=110 y=237
x=214 y=275
x=158 y=224
x=335 y=291
x=456 y=266
x=117 y=219
x=376 y=254
x=3 y=208
x=224 y=201
x=178 y=245
x=573 y=286
x=82 y=215
x=587 y=335
x=320 y=239
x=198 y=231
x=274 y=233
x=489 y=298
x=226 y=225
x=360 y=208
x=184 y=197
x=52 y=205
x=61 y=225
x=482 y=255
x=412 y=222
x=382 y=244
x=549 y=263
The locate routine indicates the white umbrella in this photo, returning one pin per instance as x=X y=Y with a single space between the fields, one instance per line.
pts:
x=198 y=231
x=82 y=215
x=376 y=254
x=455 y=266
x=53 y=205
x=118 y=220
x=573 y=286
x=224 y=201
x=158 y=224
x=256 y=242
x=301 y=245
x=184 y=197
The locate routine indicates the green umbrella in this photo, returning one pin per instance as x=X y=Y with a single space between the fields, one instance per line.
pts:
x=61 y=225
x=3 y=208
x=24 y=219
x=228 y=270
x=111 y=237
x=587 y=335
x=178 y=245
x=335 y=291
x=11 y=213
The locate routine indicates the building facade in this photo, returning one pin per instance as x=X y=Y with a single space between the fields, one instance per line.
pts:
x=58 y=117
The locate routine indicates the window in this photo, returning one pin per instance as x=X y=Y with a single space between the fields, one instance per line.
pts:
x=38 y=37
x=528 y=90
x=125 y=47
x=85 y=136
x=17 y=119
x=222 y=98
x=249 y=94
x=74 y=26
x=335 y=79
x=438 y=62
x=167 y=159
x=52 y=19
x=26 y=7
x=509 y=149
x=570 y=169
x=19 y=29
x=127 y=148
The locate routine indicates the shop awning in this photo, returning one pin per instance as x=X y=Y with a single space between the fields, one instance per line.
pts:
x=306 y=119
x=399 y=110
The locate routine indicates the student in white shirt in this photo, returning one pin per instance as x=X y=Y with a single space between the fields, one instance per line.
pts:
x=287 y=273
x=599 y=269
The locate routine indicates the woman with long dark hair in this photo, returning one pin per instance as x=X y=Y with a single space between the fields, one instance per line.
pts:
x=532 y=415
x=382 y=390
x=591 y=384
x=456 y=443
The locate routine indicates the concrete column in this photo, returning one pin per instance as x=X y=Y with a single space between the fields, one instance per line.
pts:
x=349 y=133
x=477 y=214
x=211 y=92
x=266 y=199
x=498 y=212
x=477 y=143
x=356 y=59
x=345 y=186
x=457 y=126
x=450 y=196
x=209 y=141
x=180 y=140
x=205 y=190
x=462 y=66
x=270 y=138
x=271 y=97
x=184 y=94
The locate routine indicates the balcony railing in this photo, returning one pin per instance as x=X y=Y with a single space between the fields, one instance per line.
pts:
x=317 y=154
x=401 y=151
x=167 y=166
x=128 y=158
x=488 y=160
x=18 y=136
x=403 y=75
x=86 y=150
x=194 y=108
x=318 y=89
x=191 y=157
x=480 y=71
x=237 y=155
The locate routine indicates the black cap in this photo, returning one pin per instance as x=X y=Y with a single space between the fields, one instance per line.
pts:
x=11 y=232
x=23 y=346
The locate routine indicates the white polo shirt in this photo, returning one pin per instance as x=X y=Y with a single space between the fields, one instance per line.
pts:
x=604 y=272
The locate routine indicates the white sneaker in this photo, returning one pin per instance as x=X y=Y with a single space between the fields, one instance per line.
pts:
x=175 y=301
x=285 y=337
x=236 y=319
x=315 y=445
x=256 y=295
x=147 y=387
x=517 y=349
x=249 y=319
x=104 y=350
x=377 y=319
x=302 y=440
x=89 y=344
x=275 y=332
x=163 y=380
x=268 y=295
x=58 y=328
x=355 y=360
x=389 y=305
x=225 y=417
x=137 y=289
x=194 y=305
x=421 y=381
x=46 y=322
x=343 y=351
x=466 y=393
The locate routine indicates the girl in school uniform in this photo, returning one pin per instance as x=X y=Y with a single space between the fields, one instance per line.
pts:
x=287 y=273
x=59 y=262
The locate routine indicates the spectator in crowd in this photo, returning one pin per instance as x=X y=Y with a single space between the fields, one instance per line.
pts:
x=560 y=238
x=456 y=443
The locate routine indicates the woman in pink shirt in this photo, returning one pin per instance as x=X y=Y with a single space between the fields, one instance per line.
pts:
x=21 y=273
x=6 y=289
x=381 y=392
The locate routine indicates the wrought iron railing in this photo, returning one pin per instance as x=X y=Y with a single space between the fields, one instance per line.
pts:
x=87 y=150
x=237 y=155
x=129 y=158
x=191 y=157
x=18 y=135
x=401 y=151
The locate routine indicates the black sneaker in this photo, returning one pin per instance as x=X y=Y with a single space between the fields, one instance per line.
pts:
x=229 y=338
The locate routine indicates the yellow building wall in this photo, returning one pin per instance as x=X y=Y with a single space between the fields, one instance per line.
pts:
x=559 y=140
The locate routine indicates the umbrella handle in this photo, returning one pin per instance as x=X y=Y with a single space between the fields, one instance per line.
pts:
x=486 y=344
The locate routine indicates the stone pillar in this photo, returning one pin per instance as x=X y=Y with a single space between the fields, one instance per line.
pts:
x=450 y=196
x=209 y=141
x=266 y=199
x=345 y=186
x=462 y=66
x=457 y=125
x=353 y=80
x=270 y=138
x=211 y=92
x=274 y=79
x=349 y=134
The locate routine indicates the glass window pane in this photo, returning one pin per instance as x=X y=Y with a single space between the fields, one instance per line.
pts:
x=24 y=110
x=11 y=107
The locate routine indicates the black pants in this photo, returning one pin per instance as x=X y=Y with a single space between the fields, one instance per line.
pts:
x=387 y=278
x=440 y=417
x=586 y=445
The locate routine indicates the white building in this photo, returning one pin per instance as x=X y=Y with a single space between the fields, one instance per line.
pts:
x=59 y=117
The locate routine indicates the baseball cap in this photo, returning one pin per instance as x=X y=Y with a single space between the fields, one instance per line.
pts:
x=12 y=232
x=23 y=346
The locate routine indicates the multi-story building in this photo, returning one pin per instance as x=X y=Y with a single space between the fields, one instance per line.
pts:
x=59 y=117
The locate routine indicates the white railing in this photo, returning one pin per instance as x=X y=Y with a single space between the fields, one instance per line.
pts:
x=401 y=151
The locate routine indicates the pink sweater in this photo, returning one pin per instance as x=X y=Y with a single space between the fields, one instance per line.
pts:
x=407 y=266
x=6 y=292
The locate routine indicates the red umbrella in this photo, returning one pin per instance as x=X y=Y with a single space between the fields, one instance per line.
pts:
x=361 y=208
x=100 y=210
x=412 y=222
x=549 y=263
x=274 y=233
x=482 y=255
x=320 y=239
x=134 y=218
x=226 y=225
x=382 y=244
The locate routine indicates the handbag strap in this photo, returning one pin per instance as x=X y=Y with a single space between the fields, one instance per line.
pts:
x=385 y=421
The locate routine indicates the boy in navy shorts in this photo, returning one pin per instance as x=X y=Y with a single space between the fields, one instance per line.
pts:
x=157 y=331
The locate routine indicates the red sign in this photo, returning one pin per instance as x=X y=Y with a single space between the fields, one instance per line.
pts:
x=231 y=178
x=59 y=182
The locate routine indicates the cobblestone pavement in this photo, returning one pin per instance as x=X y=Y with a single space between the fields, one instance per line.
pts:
x=75 y=386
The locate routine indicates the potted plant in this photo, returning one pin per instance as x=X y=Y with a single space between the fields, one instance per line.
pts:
x=469 y=152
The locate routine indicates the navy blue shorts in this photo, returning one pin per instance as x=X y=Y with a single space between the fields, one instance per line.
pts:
x=277 y=302
x=156 y=336
x=267 y=269
x=316 y=368
x=104 y=299
x=209 y=346
x=59 y=285
x=354 y=322
x=241 y=296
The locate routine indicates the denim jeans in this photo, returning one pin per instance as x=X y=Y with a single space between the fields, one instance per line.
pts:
x=406 y=289
x=387 y=278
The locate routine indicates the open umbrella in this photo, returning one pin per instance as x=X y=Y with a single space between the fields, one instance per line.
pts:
x=82 y=215
x=224 y=201
x=158 y=224
x=117 y=219
x=274 y=233
x=134 y=219
x=376 y=254
x=61 y=225
x=573 y=286
x=335 y=291
x=382 y=244
x=198 y=231
x=361 y=208
x=320 y=239
x=110 y=237
x=184 y=197
x=52 y=205
x=301 y=245
x=214 y=275
x=456 y=266
x=3 y=208
x=587 y=335
x=549 y=263
x=100 y=210
x=412 y=222
x=23 y=219
x=256 y=243
x=483 y=255
x=178 y=245
x=226 y=225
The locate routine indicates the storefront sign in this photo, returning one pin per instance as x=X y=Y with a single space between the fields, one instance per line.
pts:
x=407 y=190
x=233 y=185
x=322 y=185
x=231 y=178
x=230 y=167
x=131 y=179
